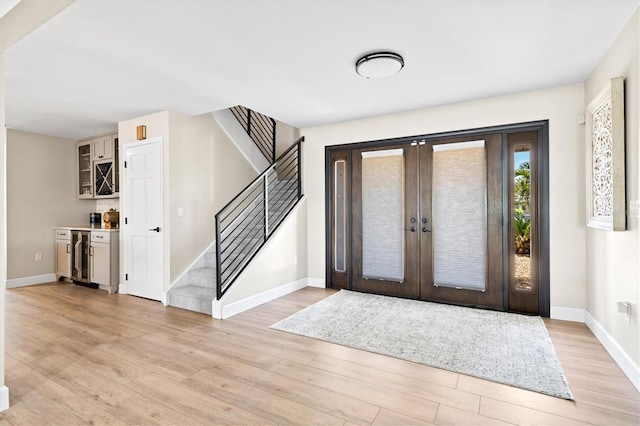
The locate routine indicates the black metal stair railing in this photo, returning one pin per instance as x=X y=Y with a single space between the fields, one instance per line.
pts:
x=245 y=224
x=260 y=128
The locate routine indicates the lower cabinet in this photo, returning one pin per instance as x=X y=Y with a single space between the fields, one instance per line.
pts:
x=104 y=260
x=63 y=253
x=99 y=262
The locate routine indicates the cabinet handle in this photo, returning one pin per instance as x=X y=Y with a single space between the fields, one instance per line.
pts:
x=68 y=248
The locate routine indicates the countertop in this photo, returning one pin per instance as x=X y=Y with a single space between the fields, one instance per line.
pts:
x=87 y=228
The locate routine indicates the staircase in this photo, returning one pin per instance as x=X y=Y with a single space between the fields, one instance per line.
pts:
x=240 y=244
x=243 y=226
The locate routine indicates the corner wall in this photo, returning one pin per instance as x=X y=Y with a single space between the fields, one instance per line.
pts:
x=560 y=106
x=613 y=258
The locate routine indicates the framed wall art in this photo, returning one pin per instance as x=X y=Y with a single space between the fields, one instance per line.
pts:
x=605 y=154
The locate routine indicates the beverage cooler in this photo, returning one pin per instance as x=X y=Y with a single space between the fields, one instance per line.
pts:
x=80 y=264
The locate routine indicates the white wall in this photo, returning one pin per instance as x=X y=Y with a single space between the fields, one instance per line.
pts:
x=613 y=258
x=559 y=105
x=207 y=171
x=41 y=194
x=286 y=135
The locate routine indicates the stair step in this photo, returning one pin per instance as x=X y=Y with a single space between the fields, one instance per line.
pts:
x=202 y=277
x=192 y=298
x=210 y=260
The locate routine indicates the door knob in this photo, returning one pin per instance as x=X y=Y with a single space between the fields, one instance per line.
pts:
x=157 y=229
x=412 y=229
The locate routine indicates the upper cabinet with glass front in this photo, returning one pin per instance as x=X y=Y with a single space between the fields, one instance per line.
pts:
x=85 y=169
x=98 y=169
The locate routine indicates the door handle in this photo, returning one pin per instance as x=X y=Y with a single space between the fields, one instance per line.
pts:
x=424 y=229
x=157 y=229
x=412 y=229
x=77 y=256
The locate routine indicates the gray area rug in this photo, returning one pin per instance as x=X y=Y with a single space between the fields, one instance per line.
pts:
x=507 y=348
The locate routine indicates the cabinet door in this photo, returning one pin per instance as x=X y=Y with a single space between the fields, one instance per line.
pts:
x=102 y=148
x=85 y=170
x=100 y=263
x=63 y=258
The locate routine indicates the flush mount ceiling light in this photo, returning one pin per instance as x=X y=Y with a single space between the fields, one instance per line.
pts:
x=379 y=64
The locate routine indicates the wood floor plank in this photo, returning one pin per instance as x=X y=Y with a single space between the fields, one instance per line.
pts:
x=609 y=402
x=518 y=415
x=391 y=418
x=62 y=405
x=385 y=363
x=141 y=410
x=79 y=356
x=203 y=407
x=339 y=405
x=17 y=368
x=374 y=394
x=569 y=409
x=421 y=389
x=454 y=416
x=264 y=404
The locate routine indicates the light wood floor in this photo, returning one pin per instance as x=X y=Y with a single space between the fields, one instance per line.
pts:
x=79 y=356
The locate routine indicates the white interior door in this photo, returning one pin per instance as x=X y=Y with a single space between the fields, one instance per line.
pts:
x=143 y=229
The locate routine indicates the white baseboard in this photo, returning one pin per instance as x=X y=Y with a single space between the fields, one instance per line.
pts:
x=223 y=311
x=316 y=282
x=568 y=314
x=123 y=288
x=619 y=356
x=25 y=281
x=4 y=398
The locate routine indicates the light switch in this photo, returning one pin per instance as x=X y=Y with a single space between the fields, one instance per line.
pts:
x=180 y=211
x=634 y=208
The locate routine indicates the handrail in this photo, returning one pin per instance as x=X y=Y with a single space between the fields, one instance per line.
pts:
x=255 y=213
x=260 y=128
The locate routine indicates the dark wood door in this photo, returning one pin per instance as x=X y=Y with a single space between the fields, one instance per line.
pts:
x=385 y=227
x=461 y=207
x=401 y=212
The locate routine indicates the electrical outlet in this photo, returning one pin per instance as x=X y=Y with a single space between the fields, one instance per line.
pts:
x=38 y=257
x=634 y=208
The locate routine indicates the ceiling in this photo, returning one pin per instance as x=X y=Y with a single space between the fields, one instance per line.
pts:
x=101 y=62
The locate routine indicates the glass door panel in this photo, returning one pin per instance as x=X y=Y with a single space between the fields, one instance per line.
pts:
x=460 y=215
x=461 y=209
x=521 y=207
x=385 y=244
x=523 y=222
x=340 y=216
x=383 y=249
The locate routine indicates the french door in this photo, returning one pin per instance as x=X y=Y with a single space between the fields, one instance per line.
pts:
x=431 y=219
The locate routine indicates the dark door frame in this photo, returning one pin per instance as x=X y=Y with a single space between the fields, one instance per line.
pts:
x=542 y=159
